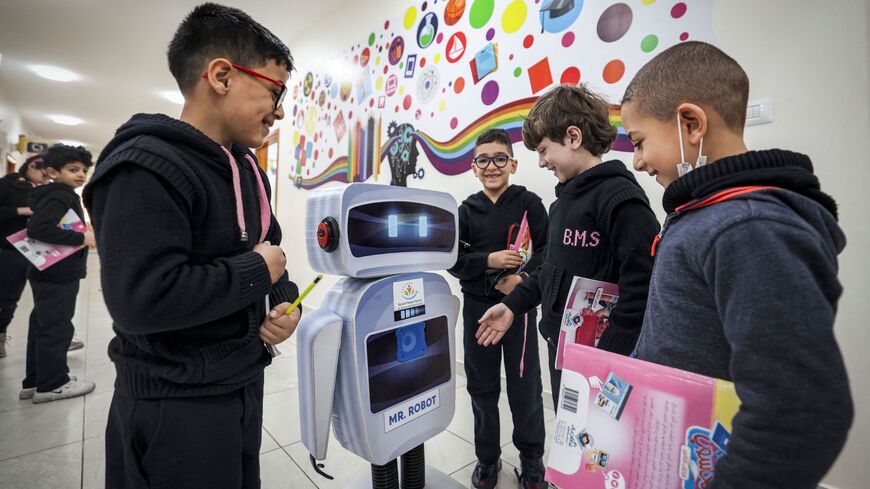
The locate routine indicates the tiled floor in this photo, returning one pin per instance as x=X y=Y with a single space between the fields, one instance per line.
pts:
x=60 y=445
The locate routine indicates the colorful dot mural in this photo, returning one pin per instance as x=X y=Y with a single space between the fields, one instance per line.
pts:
x=435 y=74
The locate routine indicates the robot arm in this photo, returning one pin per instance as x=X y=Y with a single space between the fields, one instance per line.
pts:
x=318 y=339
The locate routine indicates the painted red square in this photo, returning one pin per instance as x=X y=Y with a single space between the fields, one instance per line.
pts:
x=540 y=76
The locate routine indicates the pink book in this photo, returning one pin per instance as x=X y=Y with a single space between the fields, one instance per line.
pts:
x=586 y=314
x=623 y=423
x=43 y=255
x=523 y=243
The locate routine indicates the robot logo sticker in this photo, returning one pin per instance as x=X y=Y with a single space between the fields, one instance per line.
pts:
x=408 y=294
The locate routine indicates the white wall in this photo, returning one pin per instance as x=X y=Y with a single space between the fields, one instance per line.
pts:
x=10 y=125
x=811 y=57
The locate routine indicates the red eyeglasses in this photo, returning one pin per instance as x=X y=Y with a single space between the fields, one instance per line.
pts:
x=279 y=97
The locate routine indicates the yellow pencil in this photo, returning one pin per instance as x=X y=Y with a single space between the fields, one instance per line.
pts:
x=304 y=293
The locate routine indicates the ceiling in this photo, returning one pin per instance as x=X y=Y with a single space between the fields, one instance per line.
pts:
x=118 y=48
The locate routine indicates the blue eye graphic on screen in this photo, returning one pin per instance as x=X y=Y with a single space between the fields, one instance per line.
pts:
x=395 y=227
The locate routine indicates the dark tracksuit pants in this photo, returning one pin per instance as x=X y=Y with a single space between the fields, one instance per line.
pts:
x=14 y=267
x=208 y=442
x=49 y=334
x=555 y=375
x=483 y=369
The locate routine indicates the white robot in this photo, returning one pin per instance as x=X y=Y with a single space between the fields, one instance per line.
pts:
x=377 y=359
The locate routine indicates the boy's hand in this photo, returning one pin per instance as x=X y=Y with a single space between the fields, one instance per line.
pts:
x=275 y=259
x=90 y=242
x=504 y=259
x=507 y=284
x=494 y=324
x=278 y=326
x=24 y=211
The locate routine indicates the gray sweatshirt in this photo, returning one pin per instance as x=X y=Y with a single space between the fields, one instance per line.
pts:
x=746 y=290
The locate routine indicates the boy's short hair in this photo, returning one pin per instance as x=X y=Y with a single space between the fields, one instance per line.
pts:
x=214 y=31
x=60 y=155
x=565 y=106
x=495 y=136
x=694 y=72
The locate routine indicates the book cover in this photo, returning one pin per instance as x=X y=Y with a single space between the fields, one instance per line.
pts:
x=644 y=425
x=522 y=243
x=586 y=315
x=43 y=255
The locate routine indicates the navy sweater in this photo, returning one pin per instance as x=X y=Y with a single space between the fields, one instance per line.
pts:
x=186 y=294
x=746 y=290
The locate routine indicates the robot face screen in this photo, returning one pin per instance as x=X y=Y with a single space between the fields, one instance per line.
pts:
x=407 y=361
x=397 y=227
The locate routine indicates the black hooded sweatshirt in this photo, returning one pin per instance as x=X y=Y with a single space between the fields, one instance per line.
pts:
x=50 y=202
x=185 y=291
x=484 y=227
x=601 y=228
x=14 y=190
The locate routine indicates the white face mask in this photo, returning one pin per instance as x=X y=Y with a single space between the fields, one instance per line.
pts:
x=685 y=167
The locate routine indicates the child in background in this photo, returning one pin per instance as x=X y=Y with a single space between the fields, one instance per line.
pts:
x=55 y=289
x=745 y=285
x=486 y=220
x=14 y=211
x=601 y=225
x=189 y=257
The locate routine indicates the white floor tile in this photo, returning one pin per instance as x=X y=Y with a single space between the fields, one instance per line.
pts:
x=56 y=468
x=279 y=471
x=94 y=464
x=281 y=416
x=41 y=427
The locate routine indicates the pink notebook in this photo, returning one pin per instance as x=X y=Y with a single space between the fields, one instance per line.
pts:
x=43 y=255
x=623 y=423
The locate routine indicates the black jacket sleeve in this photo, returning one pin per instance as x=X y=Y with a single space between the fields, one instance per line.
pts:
x=469 y=265
x=143 y=233
x=283 y=290
x=633 y=226
x=42 y=225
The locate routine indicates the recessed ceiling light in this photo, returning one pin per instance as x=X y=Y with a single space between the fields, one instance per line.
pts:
x=173 y=96
x=71 y=142
x=66 y=120
x=54 y=73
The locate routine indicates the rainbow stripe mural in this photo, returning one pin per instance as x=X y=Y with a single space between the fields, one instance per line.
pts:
x=452 y=157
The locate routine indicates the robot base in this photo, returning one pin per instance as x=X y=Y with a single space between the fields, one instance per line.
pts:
x=435 y=479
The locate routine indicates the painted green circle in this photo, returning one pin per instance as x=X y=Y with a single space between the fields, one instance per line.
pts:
x=480 y=13
x=371 y=38
x=649 y=43
x=518 y=72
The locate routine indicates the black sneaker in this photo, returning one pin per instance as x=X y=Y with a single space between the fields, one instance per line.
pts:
x=485 y=476
x=533 y=474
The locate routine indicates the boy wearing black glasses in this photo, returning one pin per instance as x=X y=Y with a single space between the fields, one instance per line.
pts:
x=190 y=261
x=601 y=225
x=489 y=221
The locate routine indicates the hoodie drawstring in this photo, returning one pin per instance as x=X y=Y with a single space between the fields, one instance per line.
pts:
x=525 y=337
x=265 y=210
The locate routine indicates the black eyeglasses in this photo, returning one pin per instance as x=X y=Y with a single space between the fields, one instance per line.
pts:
x=500 y=161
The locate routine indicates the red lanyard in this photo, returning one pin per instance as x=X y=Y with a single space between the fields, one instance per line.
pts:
x=716 y=198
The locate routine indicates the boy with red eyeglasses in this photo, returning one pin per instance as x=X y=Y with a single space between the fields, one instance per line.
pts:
x=189 y=261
